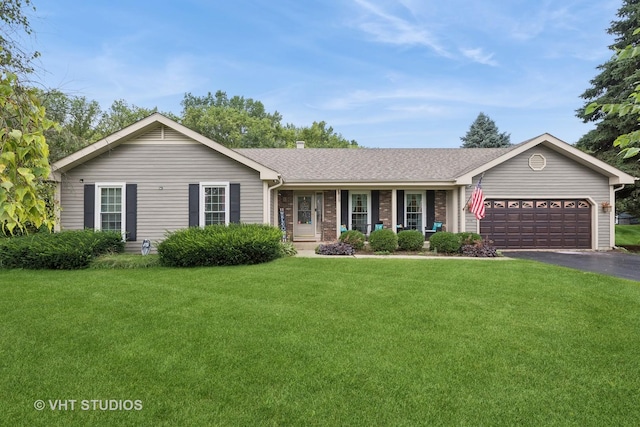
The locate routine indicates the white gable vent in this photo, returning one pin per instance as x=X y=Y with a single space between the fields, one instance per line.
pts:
x=537 y=162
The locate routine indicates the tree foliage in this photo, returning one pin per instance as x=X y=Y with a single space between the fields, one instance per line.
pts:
x=483 y=133
x=239 y=122
x=24 y=165
x=319 y=135
x=234 y=122
x=612 y=104
x=629 y=143
x=14 y=57
x=82 y=122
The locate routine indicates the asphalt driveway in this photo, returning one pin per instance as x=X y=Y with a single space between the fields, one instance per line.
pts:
x=612 y=263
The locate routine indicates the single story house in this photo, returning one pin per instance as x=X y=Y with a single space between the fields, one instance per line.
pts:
x=157 y=176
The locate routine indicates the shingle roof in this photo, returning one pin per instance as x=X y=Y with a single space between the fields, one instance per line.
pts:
x=372 y=164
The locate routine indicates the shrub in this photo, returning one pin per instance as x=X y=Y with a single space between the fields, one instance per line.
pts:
x=468 y=238
x=384 y=240
x=235 y=244
x=445 y=242
x=483 y=248
x=67 y=250
x=335 y=249
x=410 y=240
x=354 y=238
x=288 y=249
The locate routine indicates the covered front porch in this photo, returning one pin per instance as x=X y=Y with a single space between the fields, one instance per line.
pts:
x=320 y=215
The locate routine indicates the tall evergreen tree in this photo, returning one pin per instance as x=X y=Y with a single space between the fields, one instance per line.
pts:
x=616 y=80
x=483 y=133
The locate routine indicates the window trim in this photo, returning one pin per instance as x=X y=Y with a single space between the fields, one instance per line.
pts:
x=368 y=223
x=423 y=207
x=227 y=197
x=97 y=224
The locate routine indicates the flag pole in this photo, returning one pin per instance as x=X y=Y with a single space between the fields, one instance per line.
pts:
x=479 y=182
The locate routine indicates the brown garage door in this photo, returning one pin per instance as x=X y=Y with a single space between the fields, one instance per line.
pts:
x=538 y=224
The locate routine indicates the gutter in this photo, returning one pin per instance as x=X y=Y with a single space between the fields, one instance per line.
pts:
x=273 y=214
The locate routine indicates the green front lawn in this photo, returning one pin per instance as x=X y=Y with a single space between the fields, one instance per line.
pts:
x=303 y=341
x=627 y=235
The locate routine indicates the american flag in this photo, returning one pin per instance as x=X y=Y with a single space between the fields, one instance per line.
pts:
x=477 y=201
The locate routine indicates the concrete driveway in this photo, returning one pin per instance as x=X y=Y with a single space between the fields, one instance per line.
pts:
x=612 y=263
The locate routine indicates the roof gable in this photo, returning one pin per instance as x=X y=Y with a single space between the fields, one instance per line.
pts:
x=615 y=175
x=131 y=132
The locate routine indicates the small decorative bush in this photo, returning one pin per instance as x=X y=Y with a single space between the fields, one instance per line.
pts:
x=384 y=240
x=468 y=238
x=445 y=242
x=354 y=238
x=410 y=240
x=338 y=248
x=235 y=244
x=483 y=248
x=288 y=249
x=67 y=250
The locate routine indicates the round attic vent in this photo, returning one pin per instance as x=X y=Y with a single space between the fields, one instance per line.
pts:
x=537 y=162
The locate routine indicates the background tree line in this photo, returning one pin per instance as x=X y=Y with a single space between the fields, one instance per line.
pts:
x=235 y=122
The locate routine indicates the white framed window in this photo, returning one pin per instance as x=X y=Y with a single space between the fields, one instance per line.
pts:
x=110 y=206
x=360 y=209
x=214 y=203
x=414 y=211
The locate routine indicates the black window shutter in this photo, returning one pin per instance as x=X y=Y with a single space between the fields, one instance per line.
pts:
x=400 y=203
x=131 y=212
x=194 y=205
x=431 y=208
x=234 y=203
x=375 y=207
x=89 y=205
x=344 y=208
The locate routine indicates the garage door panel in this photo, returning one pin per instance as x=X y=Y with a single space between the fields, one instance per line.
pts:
x=538 y=224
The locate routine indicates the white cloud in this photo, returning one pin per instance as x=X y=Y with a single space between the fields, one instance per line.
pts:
x=385 y=27
x=477 y=55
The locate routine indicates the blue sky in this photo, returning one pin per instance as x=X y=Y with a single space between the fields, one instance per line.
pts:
x=402 y=73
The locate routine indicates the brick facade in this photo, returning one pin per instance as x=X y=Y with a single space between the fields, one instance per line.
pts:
x=441 y=207
x=330 y=217
x=285 y=200
x=385 y=208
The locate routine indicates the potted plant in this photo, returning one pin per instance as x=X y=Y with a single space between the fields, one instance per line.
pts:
x=606 y=206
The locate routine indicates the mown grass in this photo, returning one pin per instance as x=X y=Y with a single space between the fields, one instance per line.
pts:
x=323 y=342
x=125 y=261
x=627 y=235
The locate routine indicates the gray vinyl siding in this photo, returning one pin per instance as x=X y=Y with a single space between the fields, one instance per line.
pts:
x=162 y=172
x=562 y=178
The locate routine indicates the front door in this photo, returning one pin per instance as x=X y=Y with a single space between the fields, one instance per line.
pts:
x=304 y=217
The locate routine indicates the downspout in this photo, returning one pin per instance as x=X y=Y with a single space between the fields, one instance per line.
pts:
x=280 y=183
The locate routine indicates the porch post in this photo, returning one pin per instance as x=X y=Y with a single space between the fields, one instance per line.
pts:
x=338 y=211
x=394 y=210
x=266 y=200
x=460 y=217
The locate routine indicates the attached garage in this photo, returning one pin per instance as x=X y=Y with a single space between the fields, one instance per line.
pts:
x=538 y=223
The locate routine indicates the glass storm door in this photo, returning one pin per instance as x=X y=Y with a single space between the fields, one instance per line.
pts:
x=304 y=221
